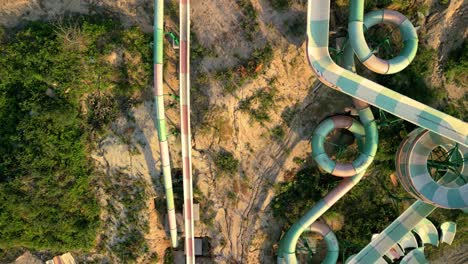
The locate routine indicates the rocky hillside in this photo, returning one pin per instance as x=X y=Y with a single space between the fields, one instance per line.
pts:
x=255 y=104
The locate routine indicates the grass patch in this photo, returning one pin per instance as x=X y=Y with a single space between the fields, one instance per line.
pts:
x=48 y=70
x=259 y=105
x=248 y=69
x=249 y=22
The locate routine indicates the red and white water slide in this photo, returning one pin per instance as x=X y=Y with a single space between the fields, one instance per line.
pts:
x=184 y=80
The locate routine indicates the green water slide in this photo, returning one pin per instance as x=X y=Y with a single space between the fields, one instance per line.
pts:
x=437 y=129
x=161 y=116
x=366 y=90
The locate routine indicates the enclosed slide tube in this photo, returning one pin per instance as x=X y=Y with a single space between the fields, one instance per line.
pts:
x=184 y=82
x=398 y=231
x=366 y=134
x=330 y=239
x=413 y=173
x=365 y=90
x=288 y=243
x=358 y=25
x=160 y=115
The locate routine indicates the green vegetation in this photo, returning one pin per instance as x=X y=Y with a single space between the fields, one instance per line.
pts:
x=288 y=114
x=456 y=69
x=297 y=26
x=154 y=258
x=171 y=9
x=281 y=5
x=383 y=202
x=206 y=206
x=296 y=197
x=126 y=208
x=277 y=133
x=60 y=85
x=248 y=69
x=225 y=162
x=260 y=103
x=412 y=80
x=249 y=22
x=169 y=256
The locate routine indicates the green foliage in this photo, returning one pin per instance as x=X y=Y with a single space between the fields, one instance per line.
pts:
x=225 y=162
x=249 y=22
x=458 y=109
x=197 y=50
x=456 y=69
x=248 y=69
x=297 y=25
x=172 y=9
x=277 y=133
x=412 y=80
x=294 y=198
x=281 y=5
x=169 y=256
x=126 y=207
x=47 y=71
x=131 y=246
x=288 y=114
x=231 y=195
x=259 y=104
x=154 y=258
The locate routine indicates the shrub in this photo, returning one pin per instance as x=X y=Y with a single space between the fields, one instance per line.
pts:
x=277 y=133
x=46 y=174
x=225 y=162
x=456 y=69
x=249 y=21
x=259 y=104
x=281 y=5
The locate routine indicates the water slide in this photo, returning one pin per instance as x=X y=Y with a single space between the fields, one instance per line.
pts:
x=158 y=91
x=437 y=129
x=184 y=82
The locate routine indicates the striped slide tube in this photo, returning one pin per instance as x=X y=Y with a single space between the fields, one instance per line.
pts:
x=416 y=256
x=366 y=134
x=408 y=241
x=363 y=89
x=394 y=253
x=330 y=239
x=398 y=231
x=184 y=79
x=161 y=117
x=427 y=232
x=448 y=230
x=413 y=173
x=288 y=243
x=358 y=25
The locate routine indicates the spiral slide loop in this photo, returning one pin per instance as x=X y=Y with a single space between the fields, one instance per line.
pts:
x=412 y=171
x=359 y=24
x=365 y=134
x=329 y=238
